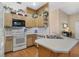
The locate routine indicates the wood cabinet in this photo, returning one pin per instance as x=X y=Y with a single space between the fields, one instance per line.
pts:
x=45 y=52
x=31 y=39
x=29 y=21
x=15 y=16
x=8 y=19
x=34 y=22
x=8 y=44
x=40 y=22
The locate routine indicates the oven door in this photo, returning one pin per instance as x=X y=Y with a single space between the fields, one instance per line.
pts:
x=19 y=42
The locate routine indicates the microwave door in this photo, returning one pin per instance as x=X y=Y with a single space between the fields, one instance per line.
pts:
x=18 y=23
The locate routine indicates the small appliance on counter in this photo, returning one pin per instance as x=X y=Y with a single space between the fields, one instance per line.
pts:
x=67 y=34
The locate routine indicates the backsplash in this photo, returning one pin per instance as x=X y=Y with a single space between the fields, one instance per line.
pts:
x=37 y=30
x=8 y=31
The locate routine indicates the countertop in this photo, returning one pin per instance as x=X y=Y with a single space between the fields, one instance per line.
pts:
x=41 y=31
x=57 y=45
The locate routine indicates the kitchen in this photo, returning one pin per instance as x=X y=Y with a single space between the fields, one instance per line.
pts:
x=21 y=36
x=32 y=30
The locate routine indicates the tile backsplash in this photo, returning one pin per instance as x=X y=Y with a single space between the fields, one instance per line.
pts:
x=37 y=30
x=8 y=32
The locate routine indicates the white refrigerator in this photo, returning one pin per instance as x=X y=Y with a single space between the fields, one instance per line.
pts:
x=1 y=30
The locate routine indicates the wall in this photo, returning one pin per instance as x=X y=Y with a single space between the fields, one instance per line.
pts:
x=15 y=5
x=1 y=30
x=72 y=19
x=53 y=21
x=63 y=18
x=56 y=18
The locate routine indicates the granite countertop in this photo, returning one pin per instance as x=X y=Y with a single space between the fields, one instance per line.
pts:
x=57 y=45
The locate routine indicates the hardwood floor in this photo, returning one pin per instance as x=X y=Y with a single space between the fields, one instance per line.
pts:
x=28 y=52
x=75 y=51
x=33 y=52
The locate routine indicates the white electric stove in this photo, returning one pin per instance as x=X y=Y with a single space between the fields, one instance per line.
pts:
x=19 y=39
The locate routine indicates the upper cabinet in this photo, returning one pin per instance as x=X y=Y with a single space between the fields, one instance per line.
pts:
x=34 y=18
x=39 y=22
x=8 y=19
x=15 y=16
x=43 y=13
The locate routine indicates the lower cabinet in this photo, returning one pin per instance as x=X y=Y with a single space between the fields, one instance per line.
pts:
x=45 y=52
x=31 y=39
x=8 y=44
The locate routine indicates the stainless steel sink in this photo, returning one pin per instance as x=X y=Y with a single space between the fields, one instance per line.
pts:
x=54 y=37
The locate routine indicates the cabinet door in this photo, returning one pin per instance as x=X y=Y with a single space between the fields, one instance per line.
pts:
x=25 y=18
x=43 y=52
x=39 y=22
x=29 y=40
x=29 y=23
x=15 y=16
x=34 y=37
x=33 y=23
x=36 y=23
x=8 y=44
x=8 y=19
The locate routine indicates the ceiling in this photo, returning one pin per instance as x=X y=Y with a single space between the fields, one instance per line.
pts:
x=35 y=5
x=23 y=5
x=67 y=7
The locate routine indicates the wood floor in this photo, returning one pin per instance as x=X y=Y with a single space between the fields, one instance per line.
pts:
x=33 y=52
x=28 y=52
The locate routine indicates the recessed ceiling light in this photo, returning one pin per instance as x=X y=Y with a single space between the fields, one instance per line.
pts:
x=34 y=4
